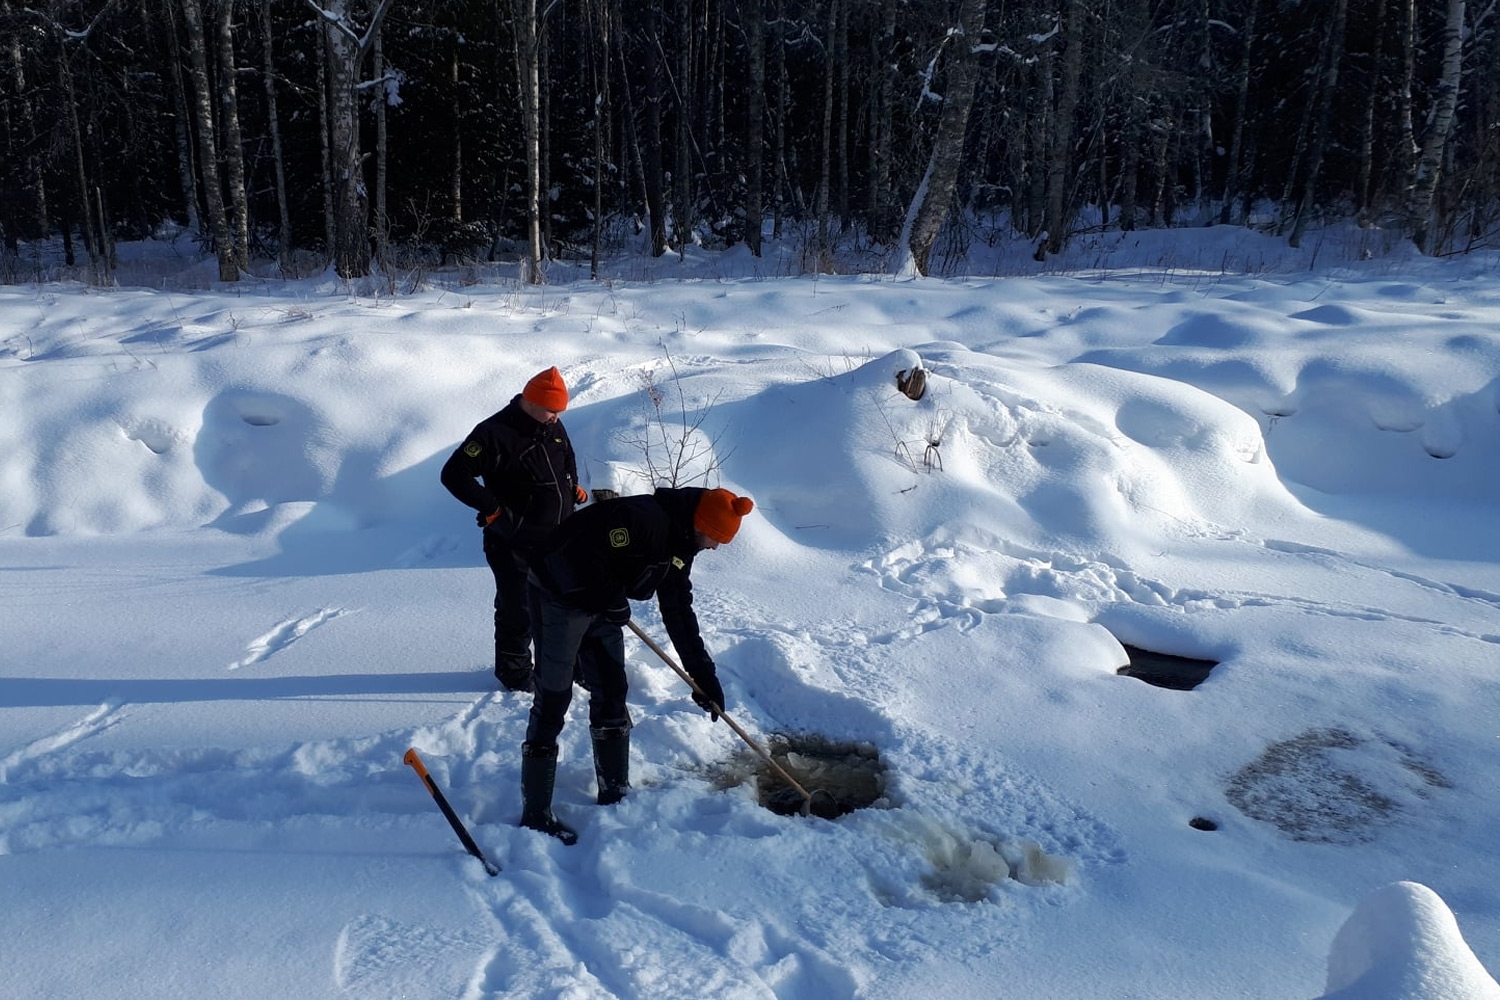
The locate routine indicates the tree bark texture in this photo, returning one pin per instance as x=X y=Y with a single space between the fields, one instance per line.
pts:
x=936 y=196
x=208 y=147
x=1429 y=165
x=278 y=156
x=234 y=147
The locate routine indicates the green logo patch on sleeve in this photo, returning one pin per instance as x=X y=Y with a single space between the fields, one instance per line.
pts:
x=619 y=538
x=473 y=448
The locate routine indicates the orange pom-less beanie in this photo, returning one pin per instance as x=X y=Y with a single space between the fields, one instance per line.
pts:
x=546 y=389
x=718 y=514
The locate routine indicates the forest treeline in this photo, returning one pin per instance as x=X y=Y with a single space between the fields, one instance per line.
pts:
x=365 y=133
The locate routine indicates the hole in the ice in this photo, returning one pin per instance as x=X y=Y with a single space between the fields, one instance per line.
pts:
x=260 y=419
x=841 y=777
x=1179 y=673
x=1202 y=823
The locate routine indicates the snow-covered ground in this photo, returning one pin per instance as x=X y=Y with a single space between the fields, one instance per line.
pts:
x=233 y=593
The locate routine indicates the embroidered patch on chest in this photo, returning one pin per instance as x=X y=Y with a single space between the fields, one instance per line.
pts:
x=473 y=448
x=619 y=538
x=677 y=563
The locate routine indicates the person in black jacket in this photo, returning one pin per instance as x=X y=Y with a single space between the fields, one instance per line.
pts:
x=582 y=580
x=518 y=470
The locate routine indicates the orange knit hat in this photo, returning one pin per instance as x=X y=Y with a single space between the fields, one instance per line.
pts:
x=718 y=514
x=546 y=389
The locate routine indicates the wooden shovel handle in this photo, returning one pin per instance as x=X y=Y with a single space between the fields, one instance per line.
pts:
x=807 y=798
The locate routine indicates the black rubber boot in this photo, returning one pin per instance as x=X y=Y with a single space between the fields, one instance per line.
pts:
x=611 y=762
x=538 y=774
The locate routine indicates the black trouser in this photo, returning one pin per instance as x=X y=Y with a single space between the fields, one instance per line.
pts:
x=512 y=614
x=569 y=639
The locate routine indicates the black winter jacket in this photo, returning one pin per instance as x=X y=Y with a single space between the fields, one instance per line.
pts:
x=630 y=547
x=521 y=465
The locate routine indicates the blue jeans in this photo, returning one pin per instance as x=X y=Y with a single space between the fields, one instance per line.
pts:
x=569 y=639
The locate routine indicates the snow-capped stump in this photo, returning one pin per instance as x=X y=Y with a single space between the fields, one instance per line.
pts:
x=841 y=777
x=1179 y=673
x=912 y=382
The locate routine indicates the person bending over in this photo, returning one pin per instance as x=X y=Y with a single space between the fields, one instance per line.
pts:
x=582 y=580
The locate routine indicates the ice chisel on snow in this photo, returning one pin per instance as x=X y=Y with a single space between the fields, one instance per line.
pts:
x=453 y=820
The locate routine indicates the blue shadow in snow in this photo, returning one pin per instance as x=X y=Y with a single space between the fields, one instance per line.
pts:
x=40 y=692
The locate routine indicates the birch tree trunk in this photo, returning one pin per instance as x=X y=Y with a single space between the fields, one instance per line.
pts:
x=825 y=144
x=1406 y=145
x=1059 y=209
x=934 y=195
x=881 y=128
x=208 y=147
x=351 y=252
x=381 y=225
x=273 y=123
x=778 y=144
x=544 y=132
x=755 y=113
x=1038 y=139
x=325 y=149
x=91 y=241
x=682 y=197
x=841 y=120
x=186 y=167
x=655 y=195
x=630 y=139
x=1234 y=180
x=1445 y=100
x=600 y=22
x=1130 y=172
x=346 y=48
x=351 y=247
x=528 y=75
x=234 y=148
x=456 y=173
x=1363 y=184
x=28 y=218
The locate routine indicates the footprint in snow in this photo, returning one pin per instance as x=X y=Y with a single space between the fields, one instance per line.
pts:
x=284 y=634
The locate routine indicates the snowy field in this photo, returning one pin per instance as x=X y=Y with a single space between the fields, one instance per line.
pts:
x=233 y=593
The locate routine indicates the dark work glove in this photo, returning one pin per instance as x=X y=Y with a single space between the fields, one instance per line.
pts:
x=711 y=700
x=619 y=615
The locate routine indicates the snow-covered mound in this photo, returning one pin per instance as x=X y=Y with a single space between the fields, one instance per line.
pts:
x=233 y=592
x=1402 y=943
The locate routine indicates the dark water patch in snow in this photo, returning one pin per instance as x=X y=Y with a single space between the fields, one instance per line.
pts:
x=840 y=776
x=1333 y=786
x=1178 y=673
x=1203 y=823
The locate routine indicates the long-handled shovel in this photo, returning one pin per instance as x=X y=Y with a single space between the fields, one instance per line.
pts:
x=415 y=761
x=807 y=798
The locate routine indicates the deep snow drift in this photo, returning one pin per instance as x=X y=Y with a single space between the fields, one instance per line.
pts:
x=232 y=593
